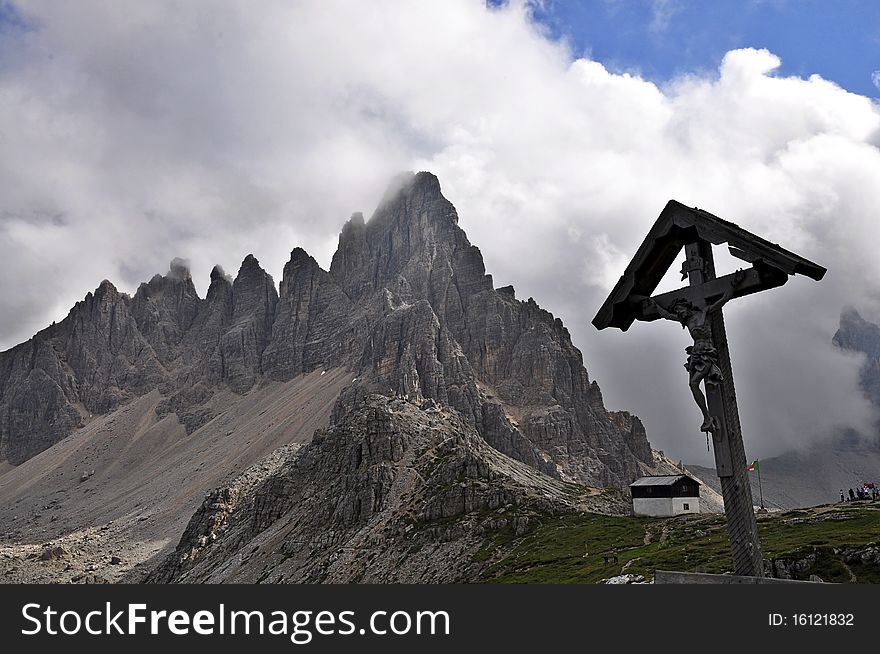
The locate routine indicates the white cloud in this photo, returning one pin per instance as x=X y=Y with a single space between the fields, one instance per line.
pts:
x=875 y=79
x=136 y=132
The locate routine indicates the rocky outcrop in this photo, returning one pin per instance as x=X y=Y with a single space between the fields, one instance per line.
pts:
x=203 y=359
x=253 y=310
x=362 y=500
x=164 y=309
x=406 y=305
x=508 y=366
x=89 y=363
x=859 y=335
x=313 y=324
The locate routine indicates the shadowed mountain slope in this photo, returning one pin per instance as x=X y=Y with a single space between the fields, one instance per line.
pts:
x=445 y=410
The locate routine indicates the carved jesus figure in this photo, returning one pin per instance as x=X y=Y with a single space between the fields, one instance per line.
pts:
x=702 y=361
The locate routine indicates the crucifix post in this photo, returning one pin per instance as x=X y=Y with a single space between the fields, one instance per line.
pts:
x=730 y=457
x=698 y=307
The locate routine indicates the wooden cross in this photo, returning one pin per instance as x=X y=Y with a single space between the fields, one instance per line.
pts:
x=696 y=231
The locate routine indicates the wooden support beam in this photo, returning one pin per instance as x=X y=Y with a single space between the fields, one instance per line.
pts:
x=756 y=280
x=730 y=457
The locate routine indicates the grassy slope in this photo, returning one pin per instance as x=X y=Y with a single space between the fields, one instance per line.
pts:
x=570 y=549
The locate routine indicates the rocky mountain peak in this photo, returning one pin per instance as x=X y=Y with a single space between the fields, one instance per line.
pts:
x=355 y=222
x=409 y=183
x=250 y=262
x=857 y=334
x=243 y=341
x=406 y=306
x=412 y=245
x=299 y=257
x=300 y=263
x=165 y=307
x=415 y=201
x=106 y=292
x=177 y=284
x=220 y=290
x=217 y=274
x=179 y=269
x=254 y=292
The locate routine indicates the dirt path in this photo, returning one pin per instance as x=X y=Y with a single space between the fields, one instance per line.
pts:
x=852 y=578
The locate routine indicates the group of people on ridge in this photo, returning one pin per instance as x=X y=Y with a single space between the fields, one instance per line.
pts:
x=867 y=491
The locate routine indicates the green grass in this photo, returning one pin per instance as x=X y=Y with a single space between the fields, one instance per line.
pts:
x=570 y=549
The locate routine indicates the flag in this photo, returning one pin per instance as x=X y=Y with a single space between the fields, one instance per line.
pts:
x=753 y=466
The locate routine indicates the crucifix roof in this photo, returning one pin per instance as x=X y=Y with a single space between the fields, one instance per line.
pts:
x=677 y=226
x=663 y=480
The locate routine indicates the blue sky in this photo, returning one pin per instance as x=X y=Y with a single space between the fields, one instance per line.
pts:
x=659 y=39
x=11 y=19
x=837 y=39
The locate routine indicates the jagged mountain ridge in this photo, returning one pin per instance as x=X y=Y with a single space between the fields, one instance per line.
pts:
x=392 y=492
x=406 y=305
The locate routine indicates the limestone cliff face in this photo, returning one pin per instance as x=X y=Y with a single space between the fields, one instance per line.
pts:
x=203 y=358
x=254 y=299
x=443 y=332
x=164 y=309
x=89 y=363
x=314 y=325
x=406 y=305
x=393 y=492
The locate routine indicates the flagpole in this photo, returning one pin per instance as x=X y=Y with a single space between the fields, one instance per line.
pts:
x=760 y=487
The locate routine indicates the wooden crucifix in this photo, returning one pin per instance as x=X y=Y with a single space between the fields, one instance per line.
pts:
x=699 y=308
